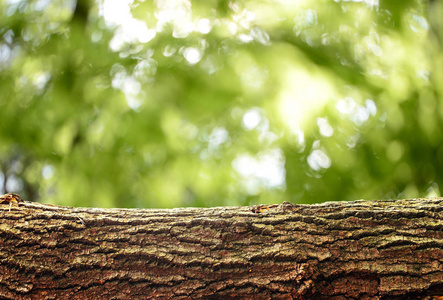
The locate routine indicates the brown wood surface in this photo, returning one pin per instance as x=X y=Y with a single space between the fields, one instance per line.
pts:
x=342 y=250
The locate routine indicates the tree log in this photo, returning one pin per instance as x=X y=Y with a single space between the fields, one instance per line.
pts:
x=384 y=249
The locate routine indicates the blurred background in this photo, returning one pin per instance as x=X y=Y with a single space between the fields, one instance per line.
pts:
x=169 y=103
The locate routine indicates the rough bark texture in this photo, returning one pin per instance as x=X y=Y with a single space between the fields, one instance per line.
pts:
x=343 y=250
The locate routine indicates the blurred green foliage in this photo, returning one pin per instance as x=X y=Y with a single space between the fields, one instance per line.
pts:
x=170 y=103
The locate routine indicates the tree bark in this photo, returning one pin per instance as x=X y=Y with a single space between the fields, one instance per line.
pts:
x=342 y=250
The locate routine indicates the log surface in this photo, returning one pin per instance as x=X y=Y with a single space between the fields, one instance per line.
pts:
x=340 y=250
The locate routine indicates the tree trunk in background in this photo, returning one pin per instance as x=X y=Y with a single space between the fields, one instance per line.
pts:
x=343 y=250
